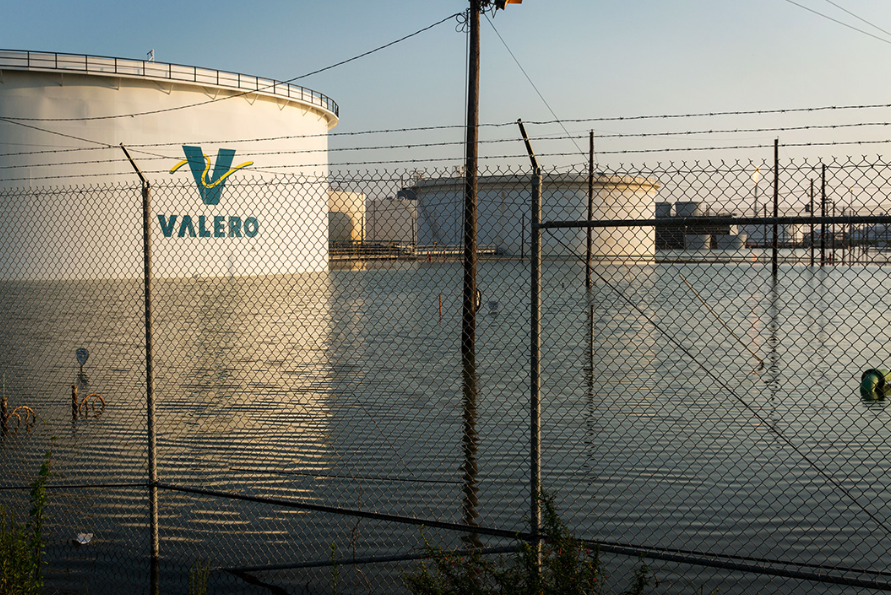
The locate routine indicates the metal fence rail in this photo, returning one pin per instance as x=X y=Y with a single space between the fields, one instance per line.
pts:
x=700 y=402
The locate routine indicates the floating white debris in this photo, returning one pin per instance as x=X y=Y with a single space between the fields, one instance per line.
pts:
x=83 y=538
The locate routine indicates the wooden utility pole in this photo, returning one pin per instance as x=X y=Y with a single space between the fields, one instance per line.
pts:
x=469 y=303
x=468 y=311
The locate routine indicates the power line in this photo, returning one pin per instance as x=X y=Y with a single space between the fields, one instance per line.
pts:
x=861 y=19
x=523 y=70
x=242 y=94
x=842 y=23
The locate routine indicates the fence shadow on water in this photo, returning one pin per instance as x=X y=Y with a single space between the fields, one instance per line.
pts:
x=698 y=409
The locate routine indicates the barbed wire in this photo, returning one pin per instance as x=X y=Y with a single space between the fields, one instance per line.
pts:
x=548 y=138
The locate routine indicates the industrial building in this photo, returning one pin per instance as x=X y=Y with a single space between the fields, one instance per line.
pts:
x=691 y=228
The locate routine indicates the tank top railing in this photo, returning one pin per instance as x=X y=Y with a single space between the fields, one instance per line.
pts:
x=24 y=60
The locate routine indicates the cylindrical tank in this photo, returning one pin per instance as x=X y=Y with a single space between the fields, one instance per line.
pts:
x=663 y=210
x=697 y=241
x=212 y=144
x=346 y=216
x=393 y=220
x=730 y=241
x=504 y=214
x=792 y=233
x=688 y=209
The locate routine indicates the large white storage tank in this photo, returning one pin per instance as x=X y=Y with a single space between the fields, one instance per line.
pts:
x=237 y=215
x=393 y=220
x=504 y=210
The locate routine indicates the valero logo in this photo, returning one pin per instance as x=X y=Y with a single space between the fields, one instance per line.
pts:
x=210 y=189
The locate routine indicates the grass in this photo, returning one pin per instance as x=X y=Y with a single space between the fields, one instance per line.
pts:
x=22 y=546
x=568 y=567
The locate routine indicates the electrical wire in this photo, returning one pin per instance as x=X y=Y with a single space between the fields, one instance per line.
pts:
x=842 y=23
x=242 y=94
x=528 y=78
x=719 y=381
x=861 y=19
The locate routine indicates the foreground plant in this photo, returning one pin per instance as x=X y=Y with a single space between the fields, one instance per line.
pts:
x=568 y=567
x=22 y=547
x=199 y=574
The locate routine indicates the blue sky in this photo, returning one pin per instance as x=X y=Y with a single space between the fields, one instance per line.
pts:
x=588 y=59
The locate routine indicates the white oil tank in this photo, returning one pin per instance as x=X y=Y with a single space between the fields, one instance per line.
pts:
x=217 y=147
x=346 y=216
x=393 y=220
x=504 y=214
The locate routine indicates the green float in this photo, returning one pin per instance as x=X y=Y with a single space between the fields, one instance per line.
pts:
x=875 y=383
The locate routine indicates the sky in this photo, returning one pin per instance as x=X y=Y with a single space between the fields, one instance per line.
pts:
x=585 y=59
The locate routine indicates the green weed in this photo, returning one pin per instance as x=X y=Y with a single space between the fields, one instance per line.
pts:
x=22 y=546
x=568 y=567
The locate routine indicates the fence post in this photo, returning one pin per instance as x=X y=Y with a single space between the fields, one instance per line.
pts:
x=535 y=364
x=534 y=351
x=812 y=222
x=149 y=378
x=823 y=214
x=150 y=372
x=590 y=210
x=73 y=402
x=776 y=205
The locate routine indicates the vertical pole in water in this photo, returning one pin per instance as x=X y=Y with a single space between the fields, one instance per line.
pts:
x=149 y=377
x=776 y=204
x=73 y=402
x=522 y=237
x=823 y=215
x=590 y=209
x=812 y=222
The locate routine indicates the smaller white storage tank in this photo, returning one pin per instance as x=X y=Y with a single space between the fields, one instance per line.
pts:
x=346 y=216
x=392 y=220
x=697 y=241
x=688 y=209
x=733 y=241
x=663 y=210
x=792 y=233
x=504 y=214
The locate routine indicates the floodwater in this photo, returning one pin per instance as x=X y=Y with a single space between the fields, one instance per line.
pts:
x=733 y=430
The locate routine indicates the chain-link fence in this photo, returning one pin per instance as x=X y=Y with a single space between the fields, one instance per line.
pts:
x=700 y=400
